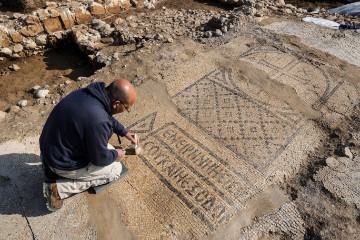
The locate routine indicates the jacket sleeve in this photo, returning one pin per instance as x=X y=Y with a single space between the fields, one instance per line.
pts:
x=118 y=128
x=96 y=140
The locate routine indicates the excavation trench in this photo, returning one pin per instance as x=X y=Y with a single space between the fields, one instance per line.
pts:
x=55 y=66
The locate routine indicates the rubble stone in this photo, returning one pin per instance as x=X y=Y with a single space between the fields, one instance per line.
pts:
x=22 y=103
x=42 y=14
x=82 y=16
x=41 y=40
x=18 y=48
x=42 y=93
x=66 y=17
x=54 y=13
x=29 y=44
x=16 y=37
x=33 y=27
x=14 y=109
x=4 y=41
x=52 y=25
x=5 y=52
x=96 y=9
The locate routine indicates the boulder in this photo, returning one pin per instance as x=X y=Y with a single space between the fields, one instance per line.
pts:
x=52 y=25
x=67 y=17
x=82 y=15
x=42 y=14
x=16 y=37
x=86 y=38
x=54 y=13
x=96 y=9
x=4 y=41
x=5 y=52
x=114 y=6
x=33 y=26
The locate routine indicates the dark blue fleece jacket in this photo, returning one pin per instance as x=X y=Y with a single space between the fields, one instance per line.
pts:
x=78 y=130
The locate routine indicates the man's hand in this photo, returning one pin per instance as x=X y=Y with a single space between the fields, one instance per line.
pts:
x=121 y=154
x=132 y=138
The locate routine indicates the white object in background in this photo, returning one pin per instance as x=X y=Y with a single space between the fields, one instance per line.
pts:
x=322 y=22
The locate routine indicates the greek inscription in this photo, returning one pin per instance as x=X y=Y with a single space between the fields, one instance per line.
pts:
x=209 y=166
x=184 y=180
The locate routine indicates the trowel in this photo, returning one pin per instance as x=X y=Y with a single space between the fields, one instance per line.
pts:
x=133 y=149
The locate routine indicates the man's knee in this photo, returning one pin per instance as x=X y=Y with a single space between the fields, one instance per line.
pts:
x=116 y=170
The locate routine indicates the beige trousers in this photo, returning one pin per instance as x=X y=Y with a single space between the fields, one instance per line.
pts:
x=82 y=179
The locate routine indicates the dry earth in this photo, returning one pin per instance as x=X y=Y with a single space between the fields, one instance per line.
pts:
x=243 y=138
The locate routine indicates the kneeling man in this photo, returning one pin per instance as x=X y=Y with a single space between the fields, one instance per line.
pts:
x=74 y=140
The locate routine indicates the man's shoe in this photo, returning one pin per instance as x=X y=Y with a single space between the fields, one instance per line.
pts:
x=53 y=200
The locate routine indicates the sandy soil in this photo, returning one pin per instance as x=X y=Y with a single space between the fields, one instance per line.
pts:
x=53 y=67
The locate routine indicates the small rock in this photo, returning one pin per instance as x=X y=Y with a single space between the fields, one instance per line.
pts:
x=41 y=40
x=287 y=11
x=22 y=103
x=332 y=162
x=14 y=109
x=158 y=36
x=14 y=67
x=29 y=44
x=280 y=3
x=18 y=15
x=290 y=6
x=15 y=55
x=208 y=34
x=2 y=59
x=273 y=8
x=149 y=5
x=2 y=115
x=42 y=93
x=218 y=33
x=107 y=40
x=116 y=56
x=35 y=88
x=5 y=52
x=170 y=40
x=79 y=79
x=348 y=153
x=68 y=82
x=18 y=48
x=313 y=10
x=133 y=24
x=97 y=24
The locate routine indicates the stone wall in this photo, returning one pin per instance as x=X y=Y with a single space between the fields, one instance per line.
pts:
x=25 y=34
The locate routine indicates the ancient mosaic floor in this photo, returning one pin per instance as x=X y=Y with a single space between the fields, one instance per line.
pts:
x=228 y=140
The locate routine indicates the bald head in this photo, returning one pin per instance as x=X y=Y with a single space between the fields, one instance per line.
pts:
x=121 y=91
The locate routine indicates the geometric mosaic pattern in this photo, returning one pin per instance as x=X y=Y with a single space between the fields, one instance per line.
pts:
x=256 y=128
x=144 y=125
x=245 y=125
x=311 y=83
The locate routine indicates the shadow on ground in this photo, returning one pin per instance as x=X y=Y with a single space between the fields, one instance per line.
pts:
x=70 y=59
x=21 y=180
